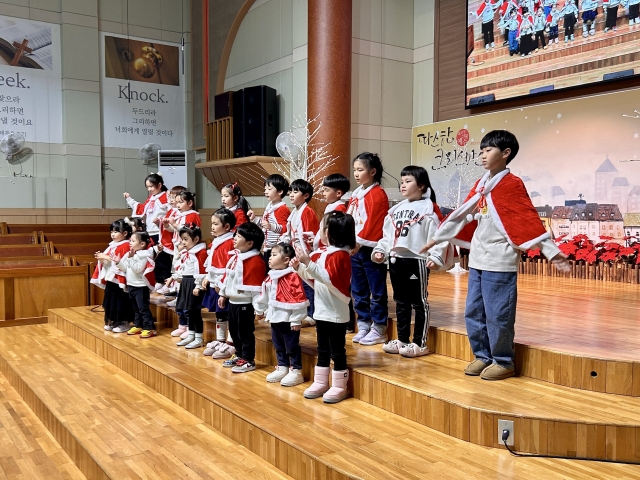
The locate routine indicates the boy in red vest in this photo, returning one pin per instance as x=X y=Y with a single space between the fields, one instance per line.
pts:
x=496 y=222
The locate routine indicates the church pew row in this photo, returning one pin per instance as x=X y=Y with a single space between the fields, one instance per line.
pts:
x=57 y=227
x=37 y=258
x=41 y=250
x=30 y=292
x=63 y=262
x=75 y=237
x=78 y=249
x=20 y=239
x=3 y=228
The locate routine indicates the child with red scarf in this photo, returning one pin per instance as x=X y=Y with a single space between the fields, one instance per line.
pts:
x=496 y=222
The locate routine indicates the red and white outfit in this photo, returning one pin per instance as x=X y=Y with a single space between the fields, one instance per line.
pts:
x=192 y=263
x=368 y=207
x=282 y=297
x=339 y=206
x=190 y=217
x=277 y=215
x=302 y=227
x=166 y=236
x=139 y=269
x=155 y=206
x=218 y=257
x=243 y=276
x=328 y=271
x=109 y=271
x=241 y=216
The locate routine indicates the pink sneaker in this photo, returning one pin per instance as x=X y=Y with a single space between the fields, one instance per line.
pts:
x=184 y=334
x=320 y=383
x=338 y=390
x=179 y=331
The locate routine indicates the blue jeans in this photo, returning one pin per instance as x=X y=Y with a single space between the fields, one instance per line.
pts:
x=369 y=290
x=513 y=41
x=490 y=315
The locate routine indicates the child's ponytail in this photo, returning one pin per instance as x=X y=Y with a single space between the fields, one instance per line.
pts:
x=234 y=188
x=371 y=161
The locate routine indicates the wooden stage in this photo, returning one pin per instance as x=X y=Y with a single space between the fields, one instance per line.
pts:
x=113 y=406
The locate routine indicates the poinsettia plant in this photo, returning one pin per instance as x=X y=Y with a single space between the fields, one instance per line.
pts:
x=581 y=248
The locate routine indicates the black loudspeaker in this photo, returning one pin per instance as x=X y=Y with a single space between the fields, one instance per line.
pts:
x=483 y=99
x=546 y=88
x=223 y=105
x=616 y=75
x=255 y=122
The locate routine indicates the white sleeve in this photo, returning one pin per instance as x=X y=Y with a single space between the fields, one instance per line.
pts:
x=549 y=249
x=384 y=244
x=261 y=301
x=298 y=315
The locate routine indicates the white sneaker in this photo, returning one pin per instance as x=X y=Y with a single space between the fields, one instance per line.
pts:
x=359 y=336
x=123 y=328
x=108 y=328
x=196 y=343
x=186 y=341
x=373 y=338
x=293 y=378
x=308 y=322
x=393 y=346
x=278 y=374
x=412 y=350
x=172 y=303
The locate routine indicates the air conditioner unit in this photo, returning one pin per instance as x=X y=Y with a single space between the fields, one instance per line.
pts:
x=177 y=167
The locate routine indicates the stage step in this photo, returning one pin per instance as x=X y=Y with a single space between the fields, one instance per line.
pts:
x=427 y=392
x=113 y=425
x=27 y=449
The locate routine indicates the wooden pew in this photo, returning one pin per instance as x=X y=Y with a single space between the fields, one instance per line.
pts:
x=39 y=258
x=76 y=237
x=78 y=249
x=63 y=262
x=20 y=239
x=3 y=228
x=58 y=227
x=43 y=250
x=30 y=292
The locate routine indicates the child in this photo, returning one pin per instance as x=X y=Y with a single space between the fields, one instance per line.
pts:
x=634 y=10
x=186 y=215
x=334 y=187
x=548 y=6
x=570 y=13
x=368 y=206
x=539 y=24
x=589 y=14
x=496 y=222
x=165 y=248
x=526 y=36
x=154 y=207
x=552 y=19
x=486 y=11
x=405 y=228
x=276 y=213
x=612 y=15
x=326 y=269
x=511 y=25
x=118 y=312
x=190 y=274
x=282 y=300
x=138 y=265
x=232 y=198
x=223 y=222
x=242 y=280
x=302 y=227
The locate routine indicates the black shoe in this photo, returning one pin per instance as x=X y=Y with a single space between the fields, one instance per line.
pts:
x=505 y=43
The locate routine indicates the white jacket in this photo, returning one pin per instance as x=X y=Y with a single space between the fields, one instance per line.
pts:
x=407 y=228
x=276 y=308
x=137 y=267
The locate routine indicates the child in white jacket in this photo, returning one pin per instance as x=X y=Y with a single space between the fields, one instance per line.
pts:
x=282 y=300
x=406 y=227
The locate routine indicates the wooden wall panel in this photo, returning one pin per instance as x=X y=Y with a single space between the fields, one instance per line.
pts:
x=62 y=215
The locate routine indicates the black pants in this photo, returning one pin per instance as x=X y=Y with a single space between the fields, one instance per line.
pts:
x=194 y=317
x=331 y=341
x=540 y=37
x=409 y=279
x=140 y=302
x=265 y=255
x=487 y=32
x=526 y=44
x=612 y=17
x=287 y=345
x=634 y=11
x=162 y=271
x=569 y=23
x=242 y=329
x=117 y=305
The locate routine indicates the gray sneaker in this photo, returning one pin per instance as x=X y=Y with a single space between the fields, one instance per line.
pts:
x=123 y=328
x=359 y=336
x=373 y=338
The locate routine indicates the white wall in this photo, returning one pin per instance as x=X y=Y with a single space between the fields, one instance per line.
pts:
x=80 y=157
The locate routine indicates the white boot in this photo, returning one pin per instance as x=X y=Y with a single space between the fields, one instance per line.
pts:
x=293 y=378
x=221 y=331
x=320 y=383
x=196 y=343
x=338 y=390
x=190 y=337
x=278 y=374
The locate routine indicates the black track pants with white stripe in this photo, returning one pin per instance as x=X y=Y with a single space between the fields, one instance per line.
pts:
x=409 y=279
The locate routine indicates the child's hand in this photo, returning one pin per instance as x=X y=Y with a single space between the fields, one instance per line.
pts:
x=205 y=283
x=294 y=263
x=355 y=250
x=431 y=264
x=251 y=215
x=217 y=289
x=196 y=292
x=160 y=247
x=295 y=328
x=259 y=317
x=222 y=302
x=378 y=257
x=428 y=246
x=126 y=195
x=165 y=221
x=157 y=221
x=266 y=225
x=131 y=253
x=301 y=255
x=561 y=263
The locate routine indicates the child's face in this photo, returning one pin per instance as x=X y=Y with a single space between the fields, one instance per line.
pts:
x=182 y=205
x=297 y=197
x=277 y=260
x=217 y=227
x=362 y=174
x=118 y=236
x=241 y=243
x=172 y=200
x=188 y=242
x=228 y=199
x=273 y=194
x=409 y=188
x=153 y=189
x=494 y=159
x=136 y=244
x=331 y=195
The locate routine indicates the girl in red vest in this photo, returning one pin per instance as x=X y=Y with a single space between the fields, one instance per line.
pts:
x=155 y=206
x=232 y=198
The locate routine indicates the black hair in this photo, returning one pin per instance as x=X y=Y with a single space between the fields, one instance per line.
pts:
x=341 y=229
x=287 y=250
x=278 y=182
x=193 y=231
x=188 y=197
x=177 y=189
x=501 y=139
x=138 y=222
x=421 y=176
x=234 y=188
x=122 y=227
x=304 y=187
x=371 y=161
x=156 y=179
x=251 y=233
x=142 y=237
x=337 y=181
x=226 y=216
